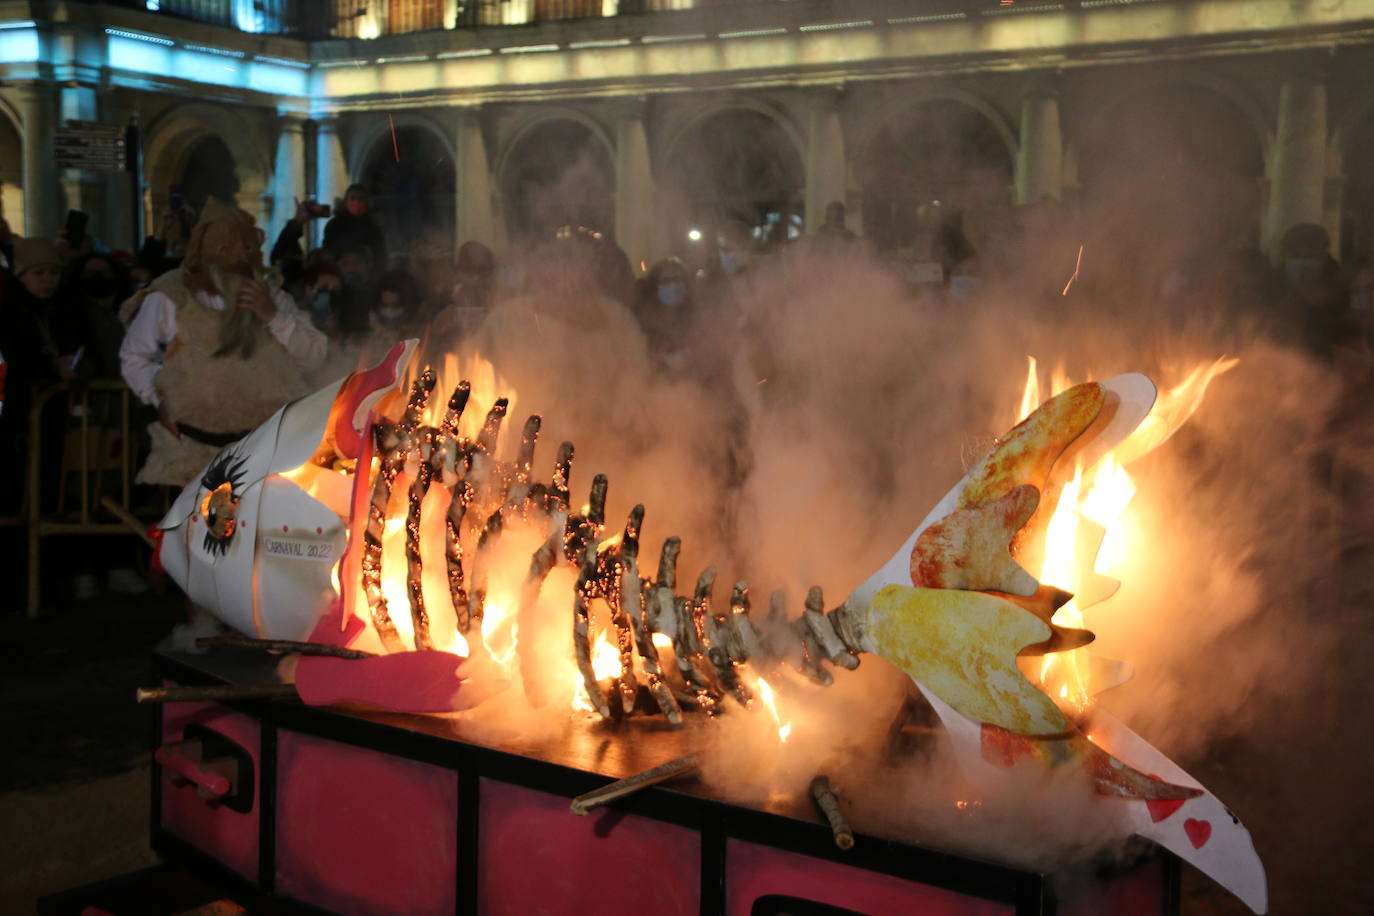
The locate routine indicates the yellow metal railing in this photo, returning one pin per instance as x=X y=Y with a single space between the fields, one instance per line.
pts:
x=93 y=452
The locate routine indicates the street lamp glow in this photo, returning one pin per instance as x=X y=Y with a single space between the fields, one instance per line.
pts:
x=694 y=235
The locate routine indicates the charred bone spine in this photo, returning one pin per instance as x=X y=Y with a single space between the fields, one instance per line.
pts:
x=712 y=646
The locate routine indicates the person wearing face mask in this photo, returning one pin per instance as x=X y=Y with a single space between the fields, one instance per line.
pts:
x=218 y=324
x=320 y=297
x=395 y=313
x=100 y=283
x=1315 y=302
x=734 y=250
x=354 y=227
x=664 y=307
x=474 y=288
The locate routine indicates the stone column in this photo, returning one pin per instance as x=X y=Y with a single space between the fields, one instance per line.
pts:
x=42 y=200
x=288 y=170
x=635 y=193
x=1297 y=161
x=474 y=206
x=825 y=158
x=331 y=169
x=1040 y=157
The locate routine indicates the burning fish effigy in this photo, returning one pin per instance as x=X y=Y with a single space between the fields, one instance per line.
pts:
x=347 y=521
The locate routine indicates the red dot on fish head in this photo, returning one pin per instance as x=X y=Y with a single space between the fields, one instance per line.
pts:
x=319 y=531
x=284 y=528
x=195 y=518
x=243 y=524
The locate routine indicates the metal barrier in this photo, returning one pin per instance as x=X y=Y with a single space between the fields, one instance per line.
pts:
x=87 y=452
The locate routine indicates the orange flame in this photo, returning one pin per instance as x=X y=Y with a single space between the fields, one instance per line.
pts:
x=770 y=703
x=1094 y=505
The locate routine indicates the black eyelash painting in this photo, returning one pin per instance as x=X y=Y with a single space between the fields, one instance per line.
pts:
x=222 y=481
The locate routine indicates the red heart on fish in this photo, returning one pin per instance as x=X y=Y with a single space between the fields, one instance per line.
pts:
x=1199 y=832
x=1162 y=808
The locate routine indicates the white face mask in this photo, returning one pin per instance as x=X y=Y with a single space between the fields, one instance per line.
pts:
x=390 y=314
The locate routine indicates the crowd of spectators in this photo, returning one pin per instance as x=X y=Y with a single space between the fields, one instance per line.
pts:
x=197 y=308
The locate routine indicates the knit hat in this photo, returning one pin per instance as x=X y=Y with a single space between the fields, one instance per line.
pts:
x=35 y=252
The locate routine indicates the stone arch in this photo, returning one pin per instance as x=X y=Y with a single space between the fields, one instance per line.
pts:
x=1142 y=86
x=1180 y=156
x=924 y=158
x=172 y=138
x=531 y=120
x=580 y=188
x=907 y=98
x=708 y=108
x=407 y=164
x=730 y=159
x=11 y=168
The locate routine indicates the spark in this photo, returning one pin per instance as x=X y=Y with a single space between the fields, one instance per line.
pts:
x=396 y=147
x=761 y=381
x=1076 y=264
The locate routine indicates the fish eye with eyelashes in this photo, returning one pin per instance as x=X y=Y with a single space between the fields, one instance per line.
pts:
x=223 y=483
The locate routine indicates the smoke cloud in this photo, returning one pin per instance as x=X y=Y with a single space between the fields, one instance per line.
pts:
x=824 y=409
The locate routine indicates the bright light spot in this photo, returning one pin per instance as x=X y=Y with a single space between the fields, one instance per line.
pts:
x=770 y=703
x=694 y=235
x=153 y=5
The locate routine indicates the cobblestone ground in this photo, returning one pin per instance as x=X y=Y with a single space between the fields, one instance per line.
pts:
x=74 y=775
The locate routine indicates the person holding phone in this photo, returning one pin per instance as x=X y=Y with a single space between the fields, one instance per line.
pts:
x=354 y=227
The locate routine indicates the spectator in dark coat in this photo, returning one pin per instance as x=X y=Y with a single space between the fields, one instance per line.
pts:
x=353 y=227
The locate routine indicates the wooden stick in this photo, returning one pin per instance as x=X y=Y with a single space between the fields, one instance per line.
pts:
x=280 y=645
x=829 y=803
x=128 y=518
x=216 y=693
x=682 y=766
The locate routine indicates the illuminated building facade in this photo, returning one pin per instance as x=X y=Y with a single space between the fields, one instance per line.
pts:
x=650 y=118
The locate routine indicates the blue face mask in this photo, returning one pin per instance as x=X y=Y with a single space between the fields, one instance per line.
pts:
x=673 y=293
x=1296 y=268
x=962 y=287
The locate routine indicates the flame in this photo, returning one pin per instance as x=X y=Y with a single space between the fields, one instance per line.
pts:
x=1103 y=501
x=1172 y=409
x=770 y=703
x=1030 y=395
x=1100 y=499
x=605 y=665
x=500 y=632
x=605 y=658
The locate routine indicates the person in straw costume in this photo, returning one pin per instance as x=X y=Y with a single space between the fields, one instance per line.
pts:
x=214 y=346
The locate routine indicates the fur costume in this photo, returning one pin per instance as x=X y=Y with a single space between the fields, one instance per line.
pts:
x=224 y=372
